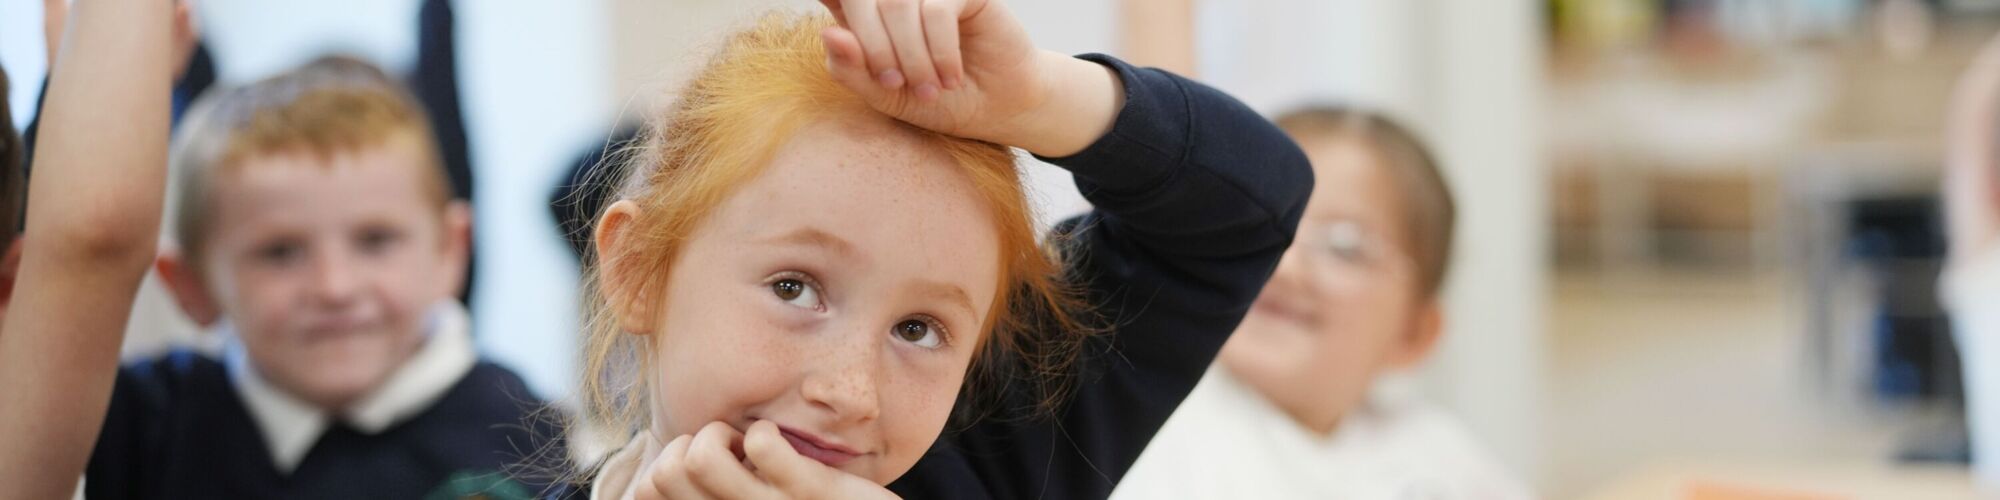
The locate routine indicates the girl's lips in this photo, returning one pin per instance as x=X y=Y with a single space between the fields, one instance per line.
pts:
x=1288 y=310
x=831 y=454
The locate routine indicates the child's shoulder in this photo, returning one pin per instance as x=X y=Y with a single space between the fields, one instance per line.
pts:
x=492 y=397
x=490 y=383
x=169 y=377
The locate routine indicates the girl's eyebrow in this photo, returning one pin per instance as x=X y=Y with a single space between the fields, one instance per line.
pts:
x=935 y=290
x=814 y=237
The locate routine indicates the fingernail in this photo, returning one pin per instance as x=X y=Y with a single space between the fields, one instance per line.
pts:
x=891 y=79
x=927 y=92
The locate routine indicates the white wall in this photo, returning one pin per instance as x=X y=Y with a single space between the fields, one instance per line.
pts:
x=537 y=90
x=1486 y=71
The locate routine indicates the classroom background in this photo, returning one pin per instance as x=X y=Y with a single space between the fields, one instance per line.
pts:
x=1699 y=240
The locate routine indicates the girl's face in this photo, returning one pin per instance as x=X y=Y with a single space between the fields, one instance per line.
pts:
x=839 y=294
x=1343 y=306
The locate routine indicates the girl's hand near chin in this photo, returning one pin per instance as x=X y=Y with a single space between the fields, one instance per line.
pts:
x=720 y=463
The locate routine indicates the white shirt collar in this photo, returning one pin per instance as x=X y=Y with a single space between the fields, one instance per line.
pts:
x=617 y=471
x=290 y=426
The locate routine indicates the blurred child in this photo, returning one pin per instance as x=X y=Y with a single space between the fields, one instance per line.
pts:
x=316 y=231
x=1971 y=280
x=68 y=280
x=1296 y=406
x=826 y=255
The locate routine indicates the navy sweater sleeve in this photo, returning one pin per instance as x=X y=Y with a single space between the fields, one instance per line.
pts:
x=1196 y=198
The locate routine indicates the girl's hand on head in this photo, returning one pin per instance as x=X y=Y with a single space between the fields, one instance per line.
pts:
x=967 y=68
x=796 y=476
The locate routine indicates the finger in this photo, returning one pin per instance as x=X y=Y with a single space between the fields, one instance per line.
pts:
x=941 y=32
x=843 y=61
x=55 y=18
x=777 y=463
x=880 y=55
x=668 y=476
x=183 y=38
x=713 y=463
x=185 y=24
x=905 y=26
x=833 y=8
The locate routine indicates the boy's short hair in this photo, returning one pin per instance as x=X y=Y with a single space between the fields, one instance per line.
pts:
x=330 y=106
x=1429 y=212
x=13 y=178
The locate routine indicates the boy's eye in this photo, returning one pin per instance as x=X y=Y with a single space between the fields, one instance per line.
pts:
x=921 y=333
x=375 y=240
x=796 y=292
x=282 y=252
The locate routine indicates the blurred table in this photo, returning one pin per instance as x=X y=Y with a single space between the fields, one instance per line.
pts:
x=1747 y=480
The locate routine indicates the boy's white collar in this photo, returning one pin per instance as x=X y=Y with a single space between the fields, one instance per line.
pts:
x=290 y=426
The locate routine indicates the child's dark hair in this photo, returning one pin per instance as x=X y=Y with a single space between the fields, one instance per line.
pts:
x=1430 y=214
x=12 y=173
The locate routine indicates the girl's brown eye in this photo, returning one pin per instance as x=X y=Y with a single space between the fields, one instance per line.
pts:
x=919 y=333
x=798 y=292
x=911 y=330
x=788 y=289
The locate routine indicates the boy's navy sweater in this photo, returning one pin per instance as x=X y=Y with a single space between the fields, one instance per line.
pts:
x=1196 y=197
x=177 y=429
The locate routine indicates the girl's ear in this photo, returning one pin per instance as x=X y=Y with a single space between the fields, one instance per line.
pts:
x=623 y=293
x=1422 y=337
x=188 y=287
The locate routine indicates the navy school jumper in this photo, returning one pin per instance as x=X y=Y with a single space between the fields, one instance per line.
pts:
x=177 y=429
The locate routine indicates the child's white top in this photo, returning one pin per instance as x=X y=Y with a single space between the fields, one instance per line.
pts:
x=1971 y=293
x=1227 y=442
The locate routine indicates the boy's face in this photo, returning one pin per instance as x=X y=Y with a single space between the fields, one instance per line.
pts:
x=1343 y=306
x=839 y=294
x=326 y=266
